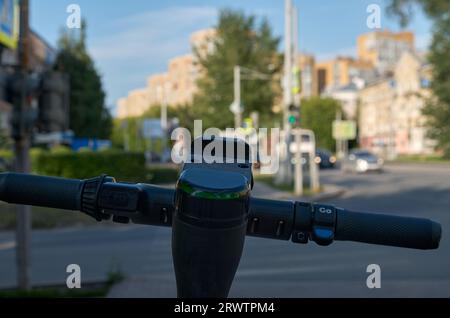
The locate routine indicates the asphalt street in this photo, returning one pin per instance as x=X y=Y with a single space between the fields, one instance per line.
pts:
x=268 y=268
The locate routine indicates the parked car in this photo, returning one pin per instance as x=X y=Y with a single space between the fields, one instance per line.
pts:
x=362 y=161
x=325 y=159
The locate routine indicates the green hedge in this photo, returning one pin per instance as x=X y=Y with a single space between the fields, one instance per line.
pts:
x=82 y=165
x=160 y=175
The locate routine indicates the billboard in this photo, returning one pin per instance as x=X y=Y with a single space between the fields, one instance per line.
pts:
x=151 y=128
x=9 y=23
x=344 y=130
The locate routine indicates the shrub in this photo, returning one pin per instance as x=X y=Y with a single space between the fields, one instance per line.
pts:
x=128 y=167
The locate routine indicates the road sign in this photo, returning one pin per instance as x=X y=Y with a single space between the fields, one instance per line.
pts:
x=53 y=137
x=9 y=23
x=151 y=128
x=344 y=130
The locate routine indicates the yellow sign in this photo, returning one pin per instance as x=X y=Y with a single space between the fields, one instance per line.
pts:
x=344 y=130
x=296 y=84
x=9 y=23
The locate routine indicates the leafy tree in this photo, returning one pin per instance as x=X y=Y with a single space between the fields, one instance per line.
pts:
x=438 y=107
x=184 y=114
x=318 y=114
x=127 y=135
x=242 y=41
x=88 y=115
x=130 y=128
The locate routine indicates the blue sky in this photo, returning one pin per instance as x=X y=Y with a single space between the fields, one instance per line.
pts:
x=129 y=40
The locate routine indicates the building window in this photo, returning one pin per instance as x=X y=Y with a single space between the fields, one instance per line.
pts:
x=425 y=83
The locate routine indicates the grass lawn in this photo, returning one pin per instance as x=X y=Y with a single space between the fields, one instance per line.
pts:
x=94 y=291
x=422 y=159
x=43 y=218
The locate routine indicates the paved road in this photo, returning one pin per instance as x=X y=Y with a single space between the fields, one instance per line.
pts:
x=269 y=268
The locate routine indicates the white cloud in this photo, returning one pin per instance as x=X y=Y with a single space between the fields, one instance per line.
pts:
x=141 y=44
x=152 y=34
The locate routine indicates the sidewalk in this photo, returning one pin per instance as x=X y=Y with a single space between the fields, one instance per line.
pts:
x=263 y=190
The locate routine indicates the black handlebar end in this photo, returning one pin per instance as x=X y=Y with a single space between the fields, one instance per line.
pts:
x=388 y=230
x=436 y=234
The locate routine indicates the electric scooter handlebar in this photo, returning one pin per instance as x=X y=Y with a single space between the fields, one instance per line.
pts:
x=300 y=222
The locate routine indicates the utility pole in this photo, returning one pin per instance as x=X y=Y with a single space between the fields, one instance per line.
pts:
x=285 y=174
x=298 y=179
x=287 y=65
x=126 y=136
x=165 y=101
x=295 y=69
x=237 y=97
x=339 y=142
x=22 y=161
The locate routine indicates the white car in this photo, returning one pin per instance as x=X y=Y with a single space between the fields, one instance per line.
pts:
x=362 y=161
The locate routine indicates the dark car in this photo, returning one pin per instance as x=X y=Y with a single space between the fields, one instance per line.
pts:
x=325 y=159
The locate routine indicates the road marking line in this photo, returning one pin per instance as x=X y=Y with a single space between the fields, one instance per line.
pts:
x=7 y=245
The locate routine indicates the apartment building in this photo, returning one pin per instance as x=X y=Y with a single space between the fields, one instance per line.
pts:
x=391 y=122
x=175 y=87
x=182 y=76
x=384 y=48
x=203 y=41
x=136 y=104
x=308 y=75
x=343 y=71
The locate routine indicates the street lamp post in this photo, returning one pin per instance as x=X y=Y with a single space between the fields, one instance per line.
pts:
x=237 y=97
x=22 y=160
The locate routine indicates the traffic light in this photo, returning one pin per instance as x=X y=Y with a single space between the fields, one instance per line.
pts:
x=3 y=85
x=38 y=101
x=21 y=92
x=54 y=105
x=294 y=115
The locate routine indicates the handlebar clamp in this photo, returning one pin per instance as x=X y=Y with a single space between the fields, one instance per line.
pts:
x=89 y=197
x=324 y=224
x=315 y=222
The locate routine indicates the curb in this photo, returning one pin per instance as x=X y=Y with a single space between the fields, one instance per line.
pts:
x=338 y=192
x=334 y=193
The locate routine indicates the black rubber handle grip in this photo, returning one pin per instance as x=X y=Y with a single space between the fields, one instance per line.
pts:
x=387 y=230
x=41 y=191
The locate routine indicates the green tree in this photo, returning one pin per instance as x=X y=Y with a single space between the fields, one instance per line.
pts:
x=242 y=41
x=438 y=107
x=89 y=116
x=318 y=114
x=129 y=130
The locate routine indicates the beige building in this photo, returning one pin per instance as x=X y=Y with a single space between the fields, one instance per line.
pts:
x=377 y=54
x=384 y=48
x=136 y=104
x=203 y=41
x=308 y=75
x=175 y=87
x=390 y=114
x=182 y=77
x=343 y=71
x=348 y=98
